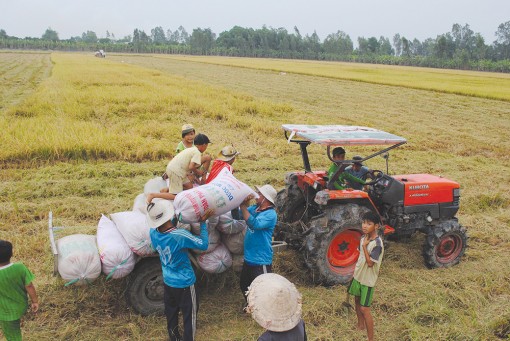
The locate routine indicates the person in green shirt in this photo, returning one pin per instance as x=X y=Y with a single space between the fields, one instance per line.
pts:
x=15 y=284
x=345 y=179
x=188 y=134
x=188 y=141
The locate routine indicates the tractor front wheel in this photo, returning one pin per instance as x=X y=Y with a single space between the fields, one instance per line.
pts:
x=331 y=248
x=445 y=245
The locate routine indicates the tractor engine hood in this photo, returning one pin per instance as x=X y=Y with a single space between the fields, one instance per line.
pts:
x=422 y=189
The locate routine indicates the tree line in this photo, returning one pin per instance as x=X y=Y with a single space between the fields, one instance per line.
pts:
x=461 y=48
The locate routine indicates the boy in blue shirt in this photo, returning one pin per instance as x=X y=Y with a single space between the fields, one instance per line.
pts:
x=179 y=278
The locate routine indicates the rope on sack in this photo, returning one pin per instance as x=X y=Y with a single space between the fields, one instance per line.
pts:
x=71 y=282
x=116 y=267
x=76 y=280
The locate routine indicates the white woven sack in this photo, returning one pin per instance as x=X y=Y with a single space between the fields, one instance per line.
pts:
x=183 y=226
x=140 y=203
x=133 y=227
x=213 y=221
x=215 y=262
x=78 y=259
x=237 y=262
x=213 y=236
x=117 y=259
x=228 y=225
x=154 y=185
x=223 y=194
x=234 y=242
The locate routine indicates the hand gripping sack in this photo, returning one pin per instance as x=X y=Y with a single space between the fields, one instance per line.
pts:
x=78 y=259
x=133 y=227
x=223 y=194
x=237 y=262
x=117 y=259
x=213 y=236
x=140 y=203
x=154 y=185
x=234 y=242
x=217 y=261
x=228 y=225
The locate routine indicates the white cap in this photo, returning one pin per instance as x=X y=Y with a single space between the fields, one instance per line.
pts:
x=268 y=192
x=159 y=211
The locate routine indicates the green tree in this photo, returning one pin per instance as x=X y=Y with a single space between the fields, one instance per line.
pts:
x=338 y=43
x=502 y=43
x=464 y=38
x=416 y=48
x=89 y=37
x=480 y=47
x=50 y=35
x=406 y=47
x=445 y=46
x=202 y=40
x=373 y=45
x=158 y=35
x=313 y=44
x=184 y=37
x=397 y=43
x=3 y=34
x=385 y=46
x=363 y=46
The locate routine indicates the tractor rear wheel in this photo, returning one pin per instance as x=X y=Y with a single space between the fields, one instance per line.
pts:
x=331 y=247
x=145 y=287
x=445 y=245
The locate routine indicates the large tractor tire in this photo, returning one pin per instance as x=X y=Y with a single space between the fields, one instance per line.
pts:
x=292 y=216
x=145 y=288
x=331 y=247
x=291 y=204
x=445 y=245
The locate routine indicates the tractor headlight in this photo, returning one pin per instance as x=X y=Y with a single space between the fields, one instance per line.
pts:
x=322 y=197
x=456 y=192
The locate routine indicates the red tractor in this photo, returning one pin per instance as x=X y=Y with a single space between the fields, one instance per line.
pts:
x=325 y=224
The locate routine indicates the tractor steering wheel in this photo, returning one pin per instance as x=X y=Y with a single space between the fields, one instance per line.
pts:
x=377 y=176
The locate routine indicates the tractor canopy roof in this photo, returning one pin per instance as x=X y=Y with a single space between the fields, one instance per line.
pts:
x=338 y=135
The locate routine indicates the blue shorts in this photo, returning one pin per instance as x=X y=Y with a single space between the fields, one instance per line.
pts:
x=362 y=291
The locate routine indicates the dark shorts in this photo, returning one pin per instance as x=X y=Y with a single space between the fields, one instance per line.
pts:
x=362 y=291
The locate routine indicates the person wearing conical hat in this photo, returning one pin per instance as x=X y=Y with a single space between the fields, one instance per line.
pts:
x=225 y=159
x=260 y=221
x=275 y=304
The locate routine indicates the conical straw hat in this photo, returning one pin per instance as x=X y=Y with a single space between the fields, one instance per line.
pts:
x=274 y=302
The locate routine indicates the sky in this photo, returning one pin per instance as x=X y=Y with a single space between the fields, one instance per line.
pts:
x=358 y=18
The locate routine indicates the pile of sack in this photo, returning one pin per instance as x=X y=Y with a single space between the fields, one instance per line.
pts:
x=124 y=237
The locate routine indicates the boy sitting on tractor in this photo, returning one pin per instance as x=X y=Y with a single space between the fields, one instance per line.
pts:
x=341 y=177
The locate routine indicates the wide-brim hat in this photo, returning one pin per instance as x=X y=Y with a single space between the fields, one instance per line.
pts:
x=159 y=211
x=268 y=192
x=227 y=153
x=187 y=128
x=274 y=302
